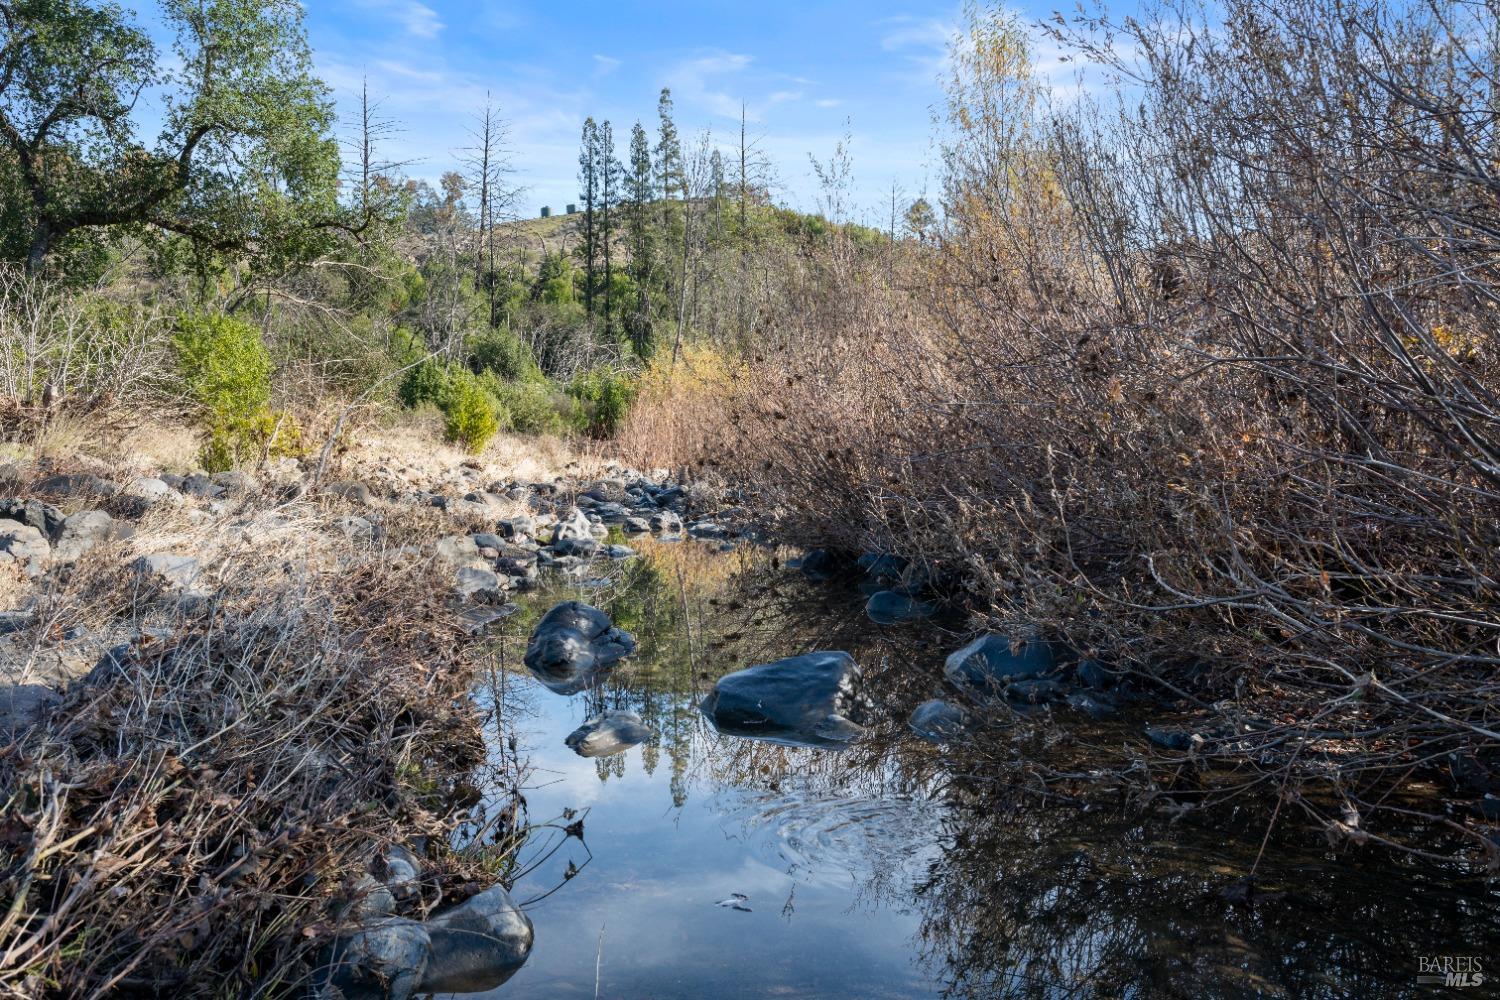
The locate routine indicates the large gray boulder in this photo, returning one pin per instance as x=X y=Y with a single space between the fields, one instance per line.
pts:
x=574 y=646
x=605 y=735
x=992 y=661
x=808 y=700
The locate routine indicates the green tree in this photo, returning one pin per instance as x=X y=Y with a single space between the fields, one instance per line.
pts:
x=245 y=163
x=608 y=171
x=638 y=200
x=588 y=183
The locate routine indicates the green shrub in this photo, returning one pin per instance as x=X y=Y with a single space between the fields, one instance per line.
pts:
x=534 y=405
x=226 y=370
x=604 y=396
x=503 y=353
x=471 y=416
x=224 y=365
x=425 y=382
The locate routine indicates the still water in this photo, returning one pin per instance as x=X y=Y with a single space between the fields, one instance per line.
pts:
x=714 y=866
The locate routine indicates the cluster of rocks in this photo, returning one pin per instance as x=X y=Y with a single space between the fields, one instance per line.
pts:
x=566 y=530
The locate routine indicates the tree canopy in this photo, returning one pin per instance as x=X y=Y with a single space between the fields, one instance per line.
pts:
x=244 y=162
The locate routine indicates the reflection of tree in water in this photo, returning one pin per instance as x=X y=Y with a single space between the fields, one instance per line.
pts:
x=1016 y=897
x=1047 y=901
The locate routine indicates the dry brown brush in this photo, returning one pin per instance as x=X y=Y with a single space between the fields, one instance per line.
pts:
x=1204 y=381
x=194 y=816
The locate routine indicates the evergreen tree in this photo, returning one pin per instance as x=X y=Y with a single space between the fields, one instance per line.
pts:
x=639 y=189
x=671 y=180
x=588 y=182
x=607 y=171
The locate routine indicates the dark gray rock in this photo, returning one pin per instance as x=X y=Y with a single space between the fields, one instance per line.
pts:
x=619 y=551
x=583 y=548
x=887 y=607
x=384 y=961
x=475 y=584
x=988 y=663
x=708 y=530
x=1041 y=691
x=938 y=721
x=635 y=526
x=76 y=485
x=477 y=945
x=574 y=646
x=608 y=734
x=486 y=540
x=42 y=516
x=808 y=700
x=612 y=513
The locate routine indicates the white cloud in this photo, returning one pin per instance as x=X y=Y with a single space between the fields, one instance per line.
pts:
x=829 y=102
x=605 y=65
x=417 y=18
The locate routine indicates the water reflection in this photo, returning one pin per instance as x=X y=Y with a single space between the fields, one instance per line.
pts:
x=896 y=869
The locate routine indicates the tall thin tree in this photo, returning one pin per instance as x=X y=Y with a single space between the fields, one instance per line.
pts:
x=639 y=189
x=588 y=184
x=607 y=169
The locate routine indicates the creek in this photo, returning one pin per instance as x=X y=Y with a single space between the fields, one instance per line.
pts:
x=717 y=866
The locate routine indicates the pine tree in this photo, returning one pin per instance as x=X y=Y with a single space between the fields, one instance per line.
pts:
x=607 y=170
x=588 y=182
x=671 y=180
x=638 y=192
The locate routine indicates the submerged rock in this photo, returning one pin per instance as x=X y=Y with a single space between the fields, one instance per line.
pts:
x=606 y=735
x=887 y=607
x=988 y=663
x=573 y=647
x=803 y=700
x=938 y=721
x=817 y=565
x=473 y=947
x=1093 y=705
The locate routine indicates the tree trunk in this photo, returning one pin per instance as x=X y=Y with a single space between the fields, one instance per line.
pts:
x=41 y=245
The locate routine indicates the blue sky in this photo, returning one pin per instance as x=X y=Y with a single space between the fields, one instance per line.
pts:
x=803 y=70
